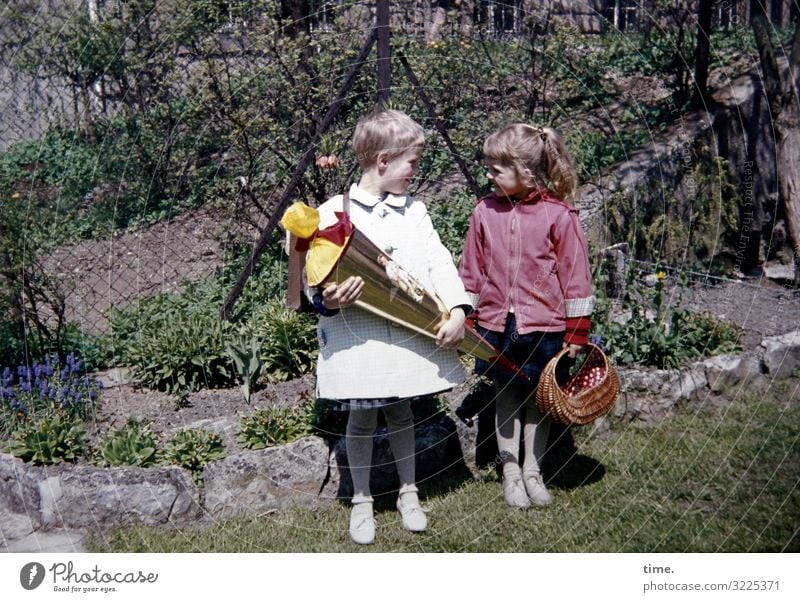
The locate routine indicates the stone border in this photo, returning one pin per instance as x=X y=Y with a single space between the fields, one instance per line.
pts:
x=38 y=502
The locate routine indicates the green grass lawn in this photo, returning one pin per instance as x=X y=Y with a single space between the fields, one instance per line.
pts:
x=711 y=477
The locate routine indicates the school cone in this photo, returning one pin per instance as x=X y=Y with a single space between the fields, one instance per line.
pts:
x=389 y=290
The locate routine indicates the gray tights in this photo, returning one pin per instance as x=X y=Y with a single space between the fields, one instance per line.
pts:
x=360 y=429
x=516 y=410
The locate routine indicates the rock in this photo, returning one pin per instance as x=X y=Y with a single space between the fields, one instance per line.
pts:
x=85 y=496
x=726 y=371
x=14 y=526
x=780 y=355
x=273 y=478
x=19 y=490
x=437 y=450
x=779 y=271
x=119 y=496
x=646 y=394
x=18 y=535
x=116 y=377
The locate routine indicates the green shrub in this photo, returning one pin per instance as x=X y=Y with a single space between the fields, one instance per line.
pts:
x=659 y=334
x=272 y=426
x=133 y=445
x=450 y=217
x=288 y=340
x=184 y=353
x=193 y=449
x=177 y=343
x=49 y=440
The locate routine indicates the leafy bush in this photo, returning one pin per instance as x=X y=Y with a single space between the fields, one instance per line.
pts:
x=273 y=426
x=659 y=334
x=288 y=340
x=46 y=389
x=133 y=445
x=49 y=440
x=181 y=353
x=193 y=449
x=450 y=217
x=177 y=343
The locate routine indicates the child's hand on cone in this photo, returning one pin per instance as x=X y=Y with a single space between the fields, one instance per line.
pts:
x=450 y=332
x=343 y=294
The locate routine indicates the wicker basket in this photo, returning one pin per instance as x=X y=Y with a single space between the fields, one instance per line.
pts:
x=586 y=396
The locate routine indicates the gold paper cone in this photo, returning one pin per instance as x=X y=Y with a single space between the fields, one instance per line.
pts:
x=392 y=293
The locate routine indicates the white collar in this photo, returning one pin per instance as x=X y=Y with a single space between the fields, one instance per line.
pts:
x=362 y=197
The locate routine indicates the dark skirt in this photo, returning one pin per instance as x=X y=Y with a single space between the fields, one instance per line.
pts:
x=530 y=352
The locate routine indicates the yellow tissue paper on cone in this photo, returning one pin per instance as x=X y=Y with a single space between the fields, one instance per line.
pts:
x=301 y=220
x=321 y=260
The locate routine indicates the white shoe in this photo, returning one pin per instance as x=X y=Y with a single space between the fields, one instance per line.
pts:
x=514 y=493
x=414 y=518
x=537 y=492
x=362 y=524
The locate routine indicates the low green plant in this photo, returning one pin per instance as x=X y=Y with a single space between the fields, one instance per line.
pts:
x=660 y=334
x=246 y=358
x=182 y=354
x=288 y=339
x=133 y=445
x=49 y=440
x=192 y=449
x=272 y=426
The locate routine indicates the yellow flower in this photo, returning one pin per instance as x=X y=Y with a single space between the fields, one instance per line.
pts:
x=661 y=275
x=16 y=195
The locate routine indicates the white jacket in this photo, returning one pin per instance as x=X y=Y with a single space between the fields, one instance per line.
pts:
x=363 y=356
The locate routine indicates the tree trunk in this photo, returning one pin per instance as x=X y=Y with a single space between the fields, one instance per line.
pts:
x=700 y=95
x=783 y=101
x=384 y=65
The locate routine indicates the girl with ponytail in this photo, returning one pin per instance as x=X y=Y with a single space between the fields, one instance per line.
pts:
x=525 y=264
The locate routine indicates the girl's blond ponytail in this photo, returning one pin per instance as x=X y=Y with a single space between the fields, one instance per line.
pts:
x=560 y=169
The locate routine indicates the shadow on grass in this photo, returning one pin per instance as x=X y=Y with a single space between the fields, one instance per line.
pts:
x=563 y=467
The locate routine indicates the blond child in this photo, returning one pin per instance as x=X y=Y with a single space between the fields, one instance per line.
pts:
x=367 y=363
x=525 y=265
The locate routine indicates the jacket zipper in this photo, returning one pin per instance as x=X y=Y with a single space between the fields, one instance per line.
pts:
x=513 y=254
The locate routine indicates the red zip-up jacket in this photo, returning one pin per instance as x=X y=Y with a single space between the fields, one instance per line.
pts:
x=529 y=257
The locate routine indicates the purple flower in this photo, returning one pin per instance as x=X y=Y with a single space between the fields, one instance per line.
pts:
x=597 y=339
x=18 y=406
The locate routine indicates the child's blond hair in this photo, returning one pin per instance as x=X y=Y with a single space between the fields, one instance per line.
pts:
x=385 y=130
x=540 y=150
